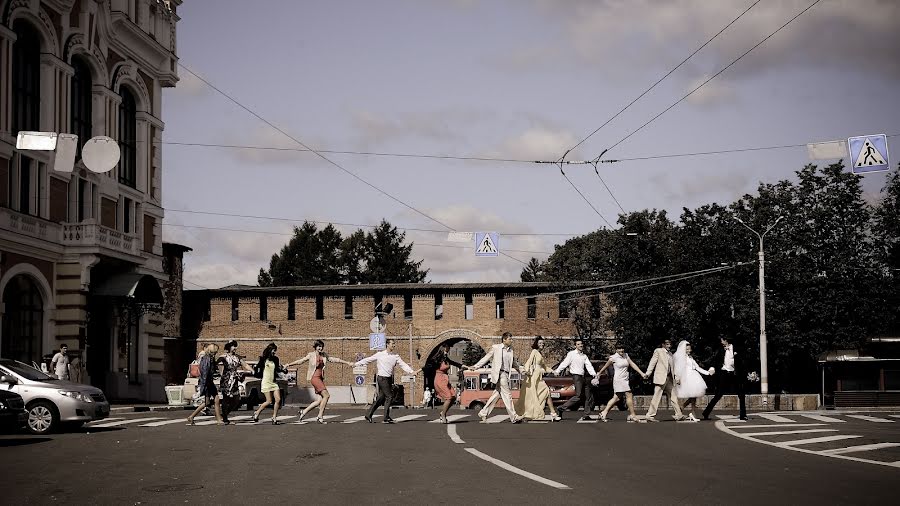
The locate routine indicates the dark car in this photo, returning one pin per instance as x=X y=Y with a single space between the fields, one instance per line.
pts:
x=12 y=411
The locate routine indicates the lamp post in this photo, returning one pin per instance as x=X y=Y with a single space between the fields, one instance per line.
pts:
x=763 y=351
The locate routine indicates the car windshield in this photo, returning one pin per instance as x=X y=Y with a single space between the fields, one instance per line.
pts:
x=25 y=371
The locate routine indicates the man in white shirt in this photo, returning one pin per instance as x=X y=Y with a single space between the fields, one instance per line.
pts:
x=579 y=366
x=386 y=361
x=60 y=363
x=503 y=361
x=730 y=377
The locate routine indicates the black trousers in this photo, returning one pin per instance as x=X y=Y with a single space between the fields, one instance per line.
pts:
x=727 y=381
x=580 y=395
x=385 y=396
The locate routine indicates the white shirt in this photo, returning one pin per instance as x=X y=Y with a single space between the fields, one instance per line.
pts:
x=577 y=362
x=60 y=364
x=729 y=359
x=507 y=354
x=386 y=363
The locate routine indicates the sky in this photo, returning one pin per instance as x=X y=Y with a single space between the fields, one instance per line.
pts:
x=514 y=79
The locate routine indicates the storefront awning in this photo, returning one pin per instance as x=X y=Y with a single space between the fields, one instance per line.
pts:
x=141 y=287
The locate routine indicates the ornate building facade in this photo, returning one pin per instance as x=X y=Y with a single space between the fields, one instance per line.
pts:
x=81 y=253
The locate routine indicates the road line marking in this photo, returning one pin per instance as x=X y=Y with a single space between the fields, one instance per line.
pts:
x=861 y=448
x=775 y=426
x=497 y=418
x=785 y=432
x=213 y=421
x=111 y=419
x=125 y=422
x=727 y=418
x=170 y=422
x=776 y=418
x=894 y=416
x=823 y=439
x=313 y=419
x=871 y=418
x=359 y=419
x=822 y=418
x=407 y=418
x=121 y=408
x=451 y=418
x=451 y=431
x=516 y=470
x=592 y=420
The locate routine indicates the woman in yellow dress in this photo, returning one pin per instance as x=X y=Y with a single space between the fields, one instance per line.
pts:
x=270 y=366
x=535 y=394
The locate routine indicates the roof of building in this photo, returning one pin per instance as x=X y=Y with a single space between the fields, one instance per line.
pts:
x=405 y=287
x=179 y=247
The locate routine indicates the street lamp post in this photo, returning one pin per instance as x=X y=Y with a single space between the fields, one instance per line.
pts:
x=763 y=350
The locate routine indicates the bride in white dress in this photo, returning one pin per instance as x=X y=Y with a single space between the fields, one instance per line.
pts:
x=689 y=384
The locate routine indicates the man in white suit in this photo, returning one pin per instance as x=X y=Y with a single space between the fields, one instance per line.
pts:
x=662 y=368
x=502 y=362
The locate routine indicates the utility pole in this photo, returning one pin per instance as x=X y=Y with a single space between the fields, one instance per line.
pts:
x=763 y=347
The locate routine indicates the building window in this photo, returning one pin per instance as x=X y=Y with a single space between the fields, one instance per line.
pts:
x=292 y=307
x=128 y=139
x=263 y=309
x=25 y=206
x=532 y=308
x=564 y=305
x=23 y=318
x=407 y=306
x=234 y=309
x=379 y=300
x=81 y=109
x=83 y=200
x=501 y=306
x=207 y=310
x=126 y=215
x=320 y=307
x=438 y=306
x=129 y=338
x=470 y=307
x=348 y=307
x=149 y=233
x=26 y=78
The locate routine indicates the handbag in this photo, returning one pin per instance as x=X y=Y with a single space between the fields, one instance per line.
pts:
x=194 y=369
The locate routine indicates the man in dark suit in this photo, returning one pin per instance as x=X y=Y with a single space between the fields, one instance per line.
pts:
x=730 y=376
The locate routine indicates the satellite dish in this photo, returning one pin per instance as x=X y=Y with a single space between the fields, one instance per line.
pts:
x=100 y=154
x=378 y=325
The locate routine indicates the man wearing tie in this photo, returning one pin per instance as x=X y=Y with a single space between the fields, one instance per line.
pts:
x=663 y=380
x=731 y=377
x=502 y=362
x=578 y=364
x=386 y=360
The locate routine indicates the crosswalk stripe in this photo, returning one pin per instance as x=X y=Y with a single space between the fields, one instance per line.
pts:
x=125 y=422
x=727 y=418
x=823 y=439
x=359 y=419
x=861 y=448
x=313 y=419
x=592 y=420
x=451 y=418
x=112 y=419
x=407 y=418
x=497 y=418
x=176 y=420
x=774 y=426
x=822 y=418
x=783 y=432
x=776 y=418
x=213 y=421
x=871 y=418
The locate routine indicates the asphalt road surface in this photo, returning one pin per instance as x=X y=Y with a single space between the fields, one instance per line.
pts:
x=154 y=458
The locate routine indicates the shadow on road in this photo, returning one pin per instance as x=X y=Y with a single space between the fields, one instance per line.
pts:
x=22 y=441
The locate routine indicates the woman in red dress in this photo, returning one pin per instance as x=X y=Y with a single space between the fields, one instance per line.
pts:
x=316 y=377
x=441 y=363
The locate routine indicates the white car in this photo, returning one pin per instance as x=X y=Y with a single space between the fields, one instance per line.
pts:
x=51 y=402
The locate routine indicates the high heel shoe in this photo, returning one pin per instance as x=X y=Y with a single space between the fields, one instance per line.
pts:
x=255 y=418
x=321 y=420
x=190 y=421
x=443 y=419
x=275 y=421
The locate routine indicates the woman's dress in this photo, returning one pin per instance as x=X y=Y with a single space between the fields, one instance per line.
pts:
x=442 y=387
x=692 y=382
x=318 y=377
x=268 y=378
x=231 y=379
x=620 y=373
x=533 y=395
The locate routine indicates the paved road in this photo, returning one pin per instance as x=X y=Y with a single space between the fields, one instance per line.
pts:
x=153 y=458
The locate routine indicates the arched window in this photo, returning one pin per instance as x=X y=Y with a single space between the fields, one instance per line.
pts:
x=23 y=319
x=26 y=78
x=128 y=139
x=81 y=102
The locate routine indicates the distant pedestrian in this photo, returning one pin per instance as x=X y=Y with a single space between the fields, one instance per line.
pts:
x=315 y=376
x=230 y=383
x=386 y=360
x=535 y=394
x=620 y=363
x=206 y=385
x=60 y=363
x=443 y=390
x=503 y=361
x=689 y=384
x=730 y=377
x=579 y=367
x=270 y=367
x=662 y=367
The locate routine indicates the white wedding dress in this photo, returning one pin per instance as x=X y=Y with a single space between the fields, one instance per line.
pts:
x=689 y=374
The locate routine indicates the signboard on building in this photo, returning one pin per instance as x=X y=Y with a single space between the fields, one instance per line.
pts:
x=359 y=380
x=360 y=369
x=408 y=378
x=377 y=341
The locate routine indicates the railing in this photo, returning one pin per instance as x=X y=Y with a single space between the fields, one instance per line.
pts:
x=29 y=225
x=93 y=234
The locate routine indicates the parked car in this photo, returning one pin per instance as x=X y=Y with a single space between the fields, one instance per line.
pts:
x=51 y=402
x=249 y=387
x=12 y=409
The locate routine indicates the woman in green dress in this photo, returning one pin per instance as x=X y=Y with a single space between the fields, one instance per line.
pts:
x=535 y=394
x=270 y=366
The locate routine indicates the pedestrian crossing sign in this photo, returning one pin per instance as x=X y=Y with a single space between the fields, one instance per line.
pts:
x=487 y=244
x=869 y=153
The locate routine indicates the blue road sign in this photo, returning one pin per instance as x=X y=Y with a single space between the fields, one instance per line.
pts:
x=377 y=341
x=359 y=380
x=869 y=153
x=487 y=244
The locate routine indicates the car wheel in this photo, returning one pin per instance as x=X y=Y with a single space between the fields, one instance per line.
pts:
x=42 y=418
x=476 y=405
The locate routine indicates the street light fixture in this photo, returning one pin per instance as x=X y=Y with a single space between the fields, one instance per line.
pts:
x=763 y=352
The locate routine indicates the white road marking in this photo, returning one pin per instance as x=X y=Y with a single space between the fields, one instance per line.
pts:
x=213 y=421
x=451 y=431
x=497 y=418
x=313 y=419
x=861 y=448
x=822 y=418
x=775 y=425
x=775 y=418
x=728 y=418
x=125 y=422
x=121 y=408
x=176 y=420
x=871 y=418
x=784 y=432
x=91 y=424
x=451 y=418
x=516 y=470
x=407 y=418
x=359 y=419
x=592 y=420
x=823 y=439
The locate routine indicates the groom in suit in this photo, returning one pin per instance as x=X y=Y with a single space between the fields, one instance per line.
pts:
x=663 y=371
x=731 y=376
x=502 y=362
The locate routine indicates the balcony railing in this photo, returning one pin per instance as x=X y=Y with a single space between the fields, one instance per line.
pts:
x=95 y=235
x=29 y=225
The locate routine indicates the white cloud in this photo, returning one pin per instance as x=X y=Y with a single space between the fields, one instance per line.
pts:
x=188 y=85
x=537 y=142
x=283 y=151
x=375 y=128
x=712 y=93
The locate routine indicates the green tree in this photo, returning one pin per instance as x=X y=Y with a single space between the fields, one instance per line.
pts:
x=472 y=353
x=534 y=271
x=387 y=258
x=311 y=257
